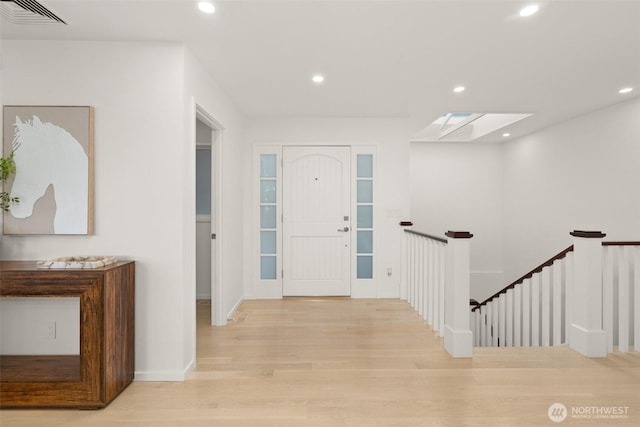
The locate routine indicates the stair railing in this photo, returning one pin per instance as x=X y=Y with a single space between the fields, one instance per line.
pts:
x=529 y=311
x=435 y=282
x=586 y=296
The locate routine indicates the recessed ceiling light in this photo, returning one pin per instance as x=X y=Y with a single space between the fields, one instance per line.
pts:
x=318 y=78
x=206 y=7
x=458 y=89
x=506 y=134
x=625 y=90
x=529 y=10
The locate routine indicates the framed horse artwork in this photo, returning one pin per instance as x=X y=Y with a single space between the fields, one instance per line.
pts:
x=53 y=153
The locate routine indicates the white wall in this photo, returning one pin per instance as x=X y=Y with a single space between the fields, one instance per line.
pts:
x=201 y=88
x=457 y=186
x=144 y=175
x=391 y=137
x=35 y=316
x=134 y=122
x=583 y=174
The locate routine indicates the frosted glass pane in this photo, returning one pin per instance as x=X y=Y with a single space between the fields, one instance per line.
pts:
x=365 y=166
x=365 y=191
x=268 y=267
x=365 y=216
x=268 y=191
x=267 y=217
x=365 y=267
x=365 y=242
x=203 y=181
x=267 y=242
x=268 y=165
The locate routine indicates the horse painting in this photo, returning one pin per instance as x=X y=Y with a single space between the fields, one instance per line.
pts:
x=48 y=155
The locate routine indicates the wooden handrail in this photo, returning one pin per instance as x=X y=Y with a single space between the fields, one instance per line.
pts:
x=588 y=234
x=538 y=269
x=620 y=243
x=428 y=236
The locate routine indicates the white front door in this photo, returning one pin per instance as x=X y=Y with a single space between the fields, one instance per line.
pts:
x=316 y=221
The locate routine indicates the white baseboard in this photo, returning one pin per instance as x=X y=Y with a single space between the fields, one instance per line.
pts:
x=235 y=307
x=152 y=376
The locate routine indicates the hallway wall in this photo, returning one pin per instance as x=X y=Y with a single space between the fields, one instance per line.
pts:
x=583 y=174
x=143 y=94
x=457 y=186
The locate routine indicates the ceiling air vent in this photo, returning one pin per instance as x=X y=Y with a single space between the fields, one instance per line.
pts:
x=27 y=12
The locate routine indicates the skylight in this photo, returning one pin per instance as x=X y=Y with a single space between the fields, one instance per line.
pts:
x=461 y=126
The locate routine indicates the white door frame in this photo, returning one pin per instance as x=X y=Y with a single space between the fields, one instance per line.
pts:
x=218 y=318
x=272 y=288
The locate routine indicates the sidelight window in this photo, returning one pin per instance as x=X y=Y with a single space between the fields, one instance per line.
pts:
x=268 y=216
x=364 y=216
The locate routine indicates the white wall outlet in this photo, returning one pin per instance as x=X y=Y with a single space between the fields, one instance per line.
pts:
x=50 y=331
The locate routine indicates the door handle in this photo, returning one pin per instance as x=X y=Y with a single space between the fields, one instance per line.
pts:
x=343 y=230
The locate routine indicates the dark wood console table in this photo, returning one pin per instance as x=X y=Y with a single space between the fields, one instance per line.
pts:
x=105 y=365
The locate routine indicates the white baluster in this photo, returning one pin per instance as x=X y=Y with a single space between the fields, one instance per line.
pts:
x=607 y=295
x=526 y=313
x=568 y=295
x=411 y=269
x=623 y=299
x=477 y=329
x=428 y=294
x=546 y=306
x=414 y=284
x=488 y=319
x=443 y=278
x=517 y=316
x=423 y=274
x=509 y=319
x=483 y=326
x=432 y=282
x=421 y=282
x=557 y=301
x=404 y=267
x=495 y=327
x=416 y=264
x=535 y=310
x=502 y=333
x=436 y=286
x=425 y=280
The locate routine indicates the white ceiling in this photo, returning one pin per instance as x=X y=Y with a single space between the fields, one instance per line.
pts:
x=393 y=58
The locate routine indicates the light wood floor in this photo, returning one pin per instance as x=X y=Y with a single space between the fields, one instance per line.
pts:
x=343 y=362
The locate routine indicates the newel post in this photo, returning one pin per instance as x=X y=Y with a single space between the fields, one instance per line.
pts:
x=458 y=338
x=404 y=272
x=586 y=334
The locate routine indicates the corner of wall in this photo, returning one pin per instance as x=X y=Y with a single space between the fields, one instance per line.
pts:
x=162 y=376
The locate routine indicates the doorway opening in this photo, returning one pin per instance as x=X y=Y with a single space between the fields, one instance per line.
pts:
x=208 y=215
